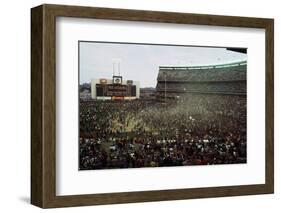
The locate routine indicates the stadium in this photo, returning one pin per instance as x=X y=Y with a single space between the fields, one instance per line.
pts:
x=228 y=79
x=195 y=115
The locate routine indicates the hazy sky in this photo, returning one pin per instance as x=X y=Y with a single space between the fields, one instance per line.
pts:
x=141 y=62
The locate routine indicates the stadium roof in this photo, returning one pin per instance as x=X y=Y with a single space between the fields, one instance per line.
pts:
x=234 y=64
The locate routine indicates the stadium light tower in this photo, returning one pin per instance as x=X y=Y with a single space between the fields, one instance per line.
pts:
x=119 y=67
x=116 y=61
x=113 y=66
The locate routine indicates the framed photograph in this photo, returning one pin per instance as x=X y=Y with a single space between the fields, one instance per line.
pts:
x=137 y=106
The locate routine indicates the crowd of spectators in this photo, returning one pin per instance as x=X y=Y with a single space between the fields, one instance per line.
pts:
x=194 y=130
x=209 y=74
x=215 y=87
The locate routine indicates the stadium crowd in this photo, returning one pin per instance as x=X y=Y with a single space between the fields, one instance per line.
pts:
x=199 y=75
x=194 y=130
x=223 y=87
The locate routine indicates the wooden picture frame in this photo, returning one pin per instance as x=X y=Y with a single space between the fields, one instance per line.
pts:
x=43 y=105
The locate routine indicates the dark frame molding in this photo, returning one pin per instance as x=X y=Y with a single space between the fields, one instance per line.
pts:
x=43 y=105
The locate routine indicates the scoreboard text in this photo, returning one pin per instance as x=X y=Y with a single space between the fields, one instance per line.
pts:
x=109 y=90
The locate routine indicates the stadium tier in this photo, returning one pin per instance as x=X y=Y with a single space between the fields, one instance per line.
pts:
x=229 y=79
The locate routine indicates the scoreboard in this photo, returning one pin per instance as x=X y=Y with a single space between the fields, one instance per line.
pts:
x=118 y=90
x=115 y=88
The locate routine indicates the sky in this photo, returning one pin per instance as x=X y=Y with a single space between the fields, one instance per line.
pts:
x=140 y=62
